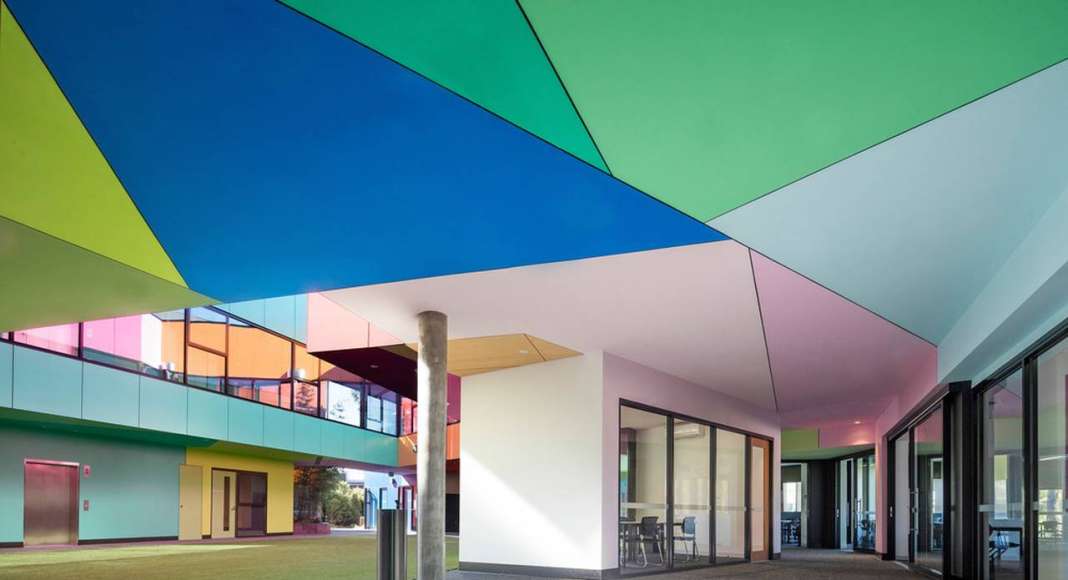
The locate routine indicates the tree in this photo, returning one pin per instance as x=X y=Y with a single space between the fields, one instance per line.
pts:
x=310 y=484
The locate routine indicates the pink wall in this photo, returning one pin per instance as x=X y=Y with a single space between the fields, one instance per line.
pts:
x=624 y=379
x=333 y=327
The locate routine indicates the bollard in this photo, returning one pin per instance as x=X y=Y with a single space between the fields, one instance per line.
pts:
x=392 y=545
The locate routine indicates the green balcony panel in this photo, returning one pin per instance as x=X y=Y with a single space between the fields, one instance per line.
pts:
x=163 y=405
x=6 y=363
x=307 y=434
x=207 y=414
x=245 y=422
x=46 y=383
x=334 y=439
x=278 y=428
x=380 y=449
x=355 y=444
x=110 y=395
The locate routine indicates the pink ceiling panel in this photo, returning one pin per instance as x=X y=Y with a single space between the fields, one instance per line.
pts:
x=828 y=353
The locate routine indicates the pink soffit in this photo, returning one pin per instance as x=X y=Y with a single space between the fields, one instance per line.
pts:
x=826 y=351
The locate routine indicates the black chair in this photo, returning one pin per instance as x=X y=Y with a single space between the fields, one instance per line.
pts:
x=649 y=533
x=631 y=543
x=689 y=534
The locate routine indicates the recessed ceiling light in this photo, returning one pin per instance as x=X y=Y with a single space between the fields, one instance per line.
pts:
x=374 y=366
x=524 y=351
x=856 y=422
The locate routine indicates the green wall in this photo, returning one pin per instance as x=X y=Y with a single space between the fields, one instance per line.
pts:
x=132 y=487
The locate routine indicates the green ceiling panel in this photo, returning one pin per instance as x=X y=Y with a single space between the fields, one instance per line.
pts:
x=708 y=105
x=49 y=281
x=482 y=50
x=54 y=178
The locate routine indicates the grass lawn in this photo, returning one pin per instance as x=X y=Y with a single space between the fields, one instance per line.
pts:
x=306 y=558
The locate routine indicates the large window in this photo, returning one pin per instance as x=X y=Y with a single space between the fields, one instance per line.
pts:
x=1001 y=479
x=259 y=364
x=1051 y=498
x=208 y=348
x=643 y=478
x=62 y=338
x=730 y=496
x=151 y=344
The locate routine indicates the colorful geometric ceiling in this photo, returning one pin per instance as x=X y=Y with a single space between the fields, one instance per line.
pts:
x=883 y=160
x=716 y=314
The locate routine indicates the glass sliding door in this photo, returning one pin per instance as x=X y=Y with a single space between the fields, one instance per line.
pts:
x=1051 y=497
x=643 y=481
x=1001 y=479
x=865 y=503
x=902 y=508
x=691 y=531
x=730 y=496
x=928 y=491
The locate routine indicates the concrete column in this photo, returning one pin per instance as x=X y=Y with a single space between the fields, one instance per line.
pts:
x=430 y=458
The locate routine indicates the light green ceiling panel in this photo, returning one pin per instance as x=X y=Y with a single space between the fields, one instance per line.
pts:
x=45 y=280
x=53 y=177
x=710 y=104
x=483 y=50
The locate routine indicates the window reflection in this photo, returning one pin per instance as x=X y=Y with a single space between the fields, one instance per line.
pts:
x=343 y=402
x=150 y=344
x=259 y=362
x=1001 y=490
x=1052 y=499
x=62 y=338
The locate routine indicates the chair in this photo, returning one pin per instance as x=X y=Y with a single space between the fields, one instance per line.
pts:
x=649 y=532
x=689 y=534
x=630 y=537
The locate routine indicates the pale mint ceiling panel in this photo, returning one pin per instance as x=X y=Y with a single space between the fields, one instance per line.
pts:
x=914 y=228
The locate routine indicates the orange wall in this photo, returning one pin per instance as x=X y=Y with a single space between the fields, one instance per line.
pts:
x=406 y=457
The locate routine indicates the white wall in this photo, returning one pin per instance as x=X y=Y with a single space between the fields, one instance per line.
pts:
x=540 y=452
x=624 y=379
x=531 y=456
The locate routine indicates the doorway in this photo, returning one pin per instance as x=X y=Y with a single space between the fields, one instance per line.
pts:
x=223 y=504
x=251 y=504
x=760 y=498
x=50 y=508
x=190 y=501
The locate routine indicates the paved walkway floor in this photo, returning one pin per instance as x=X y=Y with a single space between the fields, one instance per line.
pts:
x=795 y=564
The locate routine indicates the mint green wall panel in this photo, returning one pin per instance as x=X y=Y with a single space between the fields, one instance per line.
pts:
x=354 y=444
x=6 y=355
x=110 y=395
x=277 y=428
x=163 y=405
x=281 y=315
x=250 y=310
x=301 y=318
x=47 y=383
x=207 y=416
x=132 y=487
x=380 y=449
x=334 y=439
x=307 y=434
x=245 y=422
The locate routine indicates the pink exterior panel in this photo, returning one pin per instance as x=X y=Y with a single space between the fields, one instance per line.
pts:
x=334 y=327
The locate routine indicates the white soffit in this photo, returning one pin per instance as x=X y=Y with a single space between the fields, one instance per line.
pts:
x=689 y=311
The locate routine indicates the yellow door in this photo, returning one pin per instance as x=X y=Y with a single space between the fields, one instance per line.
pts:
x=223 y=503
x=190 y=501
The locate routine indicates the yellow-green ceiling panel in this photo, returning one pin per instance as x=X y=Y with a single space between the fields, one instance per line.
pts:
x=46 y=281
x=53 y=177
